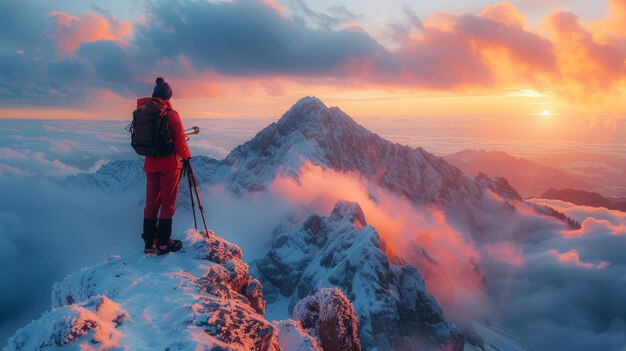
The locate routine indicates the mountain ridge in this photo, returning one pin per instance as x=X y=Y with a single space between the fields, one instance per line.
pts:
x=584 y=198
x=200 y=298
x=528 y=177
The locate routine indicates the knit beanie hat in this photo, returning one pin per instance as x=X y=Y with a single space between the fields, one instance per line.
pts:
x=162 y=89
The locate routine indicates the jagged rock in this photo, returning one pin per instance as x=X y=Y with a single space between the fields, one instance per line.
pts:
x=437 y=279
x=203 y=298
x=391 y=301
x=329 y=315
x=345 y=210
x=96 y=319
x=498 y=185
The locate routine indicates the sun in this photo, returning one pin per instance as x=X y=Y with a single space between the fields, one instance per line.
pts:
x=546 y=113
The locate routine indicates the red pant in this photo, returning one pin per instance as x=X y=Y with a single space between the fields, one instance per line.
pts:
x=161 y=191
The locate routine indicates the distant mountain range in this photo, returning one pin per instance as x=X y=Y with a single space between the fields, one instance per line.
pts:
x=584 y=198
x=529 y=178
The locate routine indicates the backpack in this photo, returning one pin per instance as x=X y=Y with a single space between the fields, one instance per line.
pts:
x=150 y=130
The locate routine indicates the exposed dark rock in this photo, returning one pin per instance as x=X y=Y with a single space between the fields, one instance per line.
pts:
x=329 y=315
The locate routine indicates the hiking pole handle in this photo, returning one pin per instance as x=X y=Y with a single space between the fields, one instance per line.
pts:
x=192 y=130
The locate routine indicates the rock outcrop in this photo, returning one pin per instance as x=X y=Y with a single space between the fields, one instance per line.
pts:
x=329 y=315
x=341 y=251
x=203 y=298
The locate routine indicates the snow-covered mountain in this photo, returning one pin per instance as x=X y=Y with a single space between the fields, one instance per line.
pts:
x=200 y=299
x=341 y=250
x=113 y=177
x=121 y=176
x=311 y=132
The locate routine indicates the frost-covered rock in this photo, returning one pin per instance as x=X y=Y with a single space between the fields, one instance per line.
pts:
x=201 y=299
x=391 y=302
x=113 y=177
x=498 y=185
x=293 y=337
x=329 y=315
x=95 y=321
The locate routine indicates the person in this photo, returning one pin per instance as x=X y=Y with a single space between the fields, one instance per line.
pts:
x=163 y=176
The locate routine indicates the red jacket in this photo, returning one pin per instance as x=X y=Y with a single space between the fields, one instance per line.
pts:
x=169 y=162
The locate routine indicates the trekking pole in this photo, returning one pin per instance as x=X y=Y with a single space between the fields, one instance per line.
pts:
x=192 y=180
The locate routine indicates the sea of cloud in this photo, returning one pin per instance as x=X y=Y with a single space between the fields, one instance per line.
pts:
x=554 y=288
x=59 y=148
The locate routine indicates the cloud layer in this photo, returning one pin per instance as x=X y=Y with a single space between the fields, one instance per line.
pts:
x=71 y=58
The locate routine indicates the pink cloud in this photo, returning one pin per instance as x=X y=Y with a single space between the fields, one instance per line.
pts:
x=398 y=222
x=573 y=257
x=587 y=64
x=593 y=225
x=70 y=31
x=276 y=6
x=593 y=220
x=463 y=52
x=497 y=48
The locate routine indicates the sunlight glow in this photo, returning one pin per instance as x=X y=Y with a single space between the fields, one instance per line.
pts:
x=546 y=113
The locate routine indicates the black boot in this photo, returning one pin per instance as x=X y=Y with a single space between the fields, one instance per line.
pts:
x=149 y=235
x=164 y=242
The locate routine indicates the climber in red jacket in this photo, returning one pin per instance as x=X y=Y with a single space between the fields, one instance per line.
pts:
x=163 y=176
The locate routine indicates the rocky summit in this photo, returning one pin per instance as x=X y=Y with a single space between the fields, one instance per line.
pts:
x=341 y=251
x=200 y=299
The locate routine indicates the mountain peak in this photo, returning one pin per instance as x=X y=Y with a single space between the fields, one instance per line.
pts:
x=312 y=117
x=309 y=101
x=351 y=211
x=327 y=137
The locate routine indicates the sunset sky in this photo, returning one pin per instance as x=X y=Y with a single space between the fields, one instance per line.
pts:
x=69 y=59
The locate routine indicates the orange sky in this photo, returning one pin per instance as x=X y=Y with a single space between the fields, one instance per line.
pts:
x=494 y=62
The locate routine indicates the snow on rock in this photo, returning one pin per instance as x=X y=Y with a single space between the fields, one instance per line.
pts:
x=113 y=177
x=95 y=320
x=200 y=299
x=345 y=210
x=311 y=132
x=498 y=185
x=391 y=302
x=293 y=337
x=329 y=315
